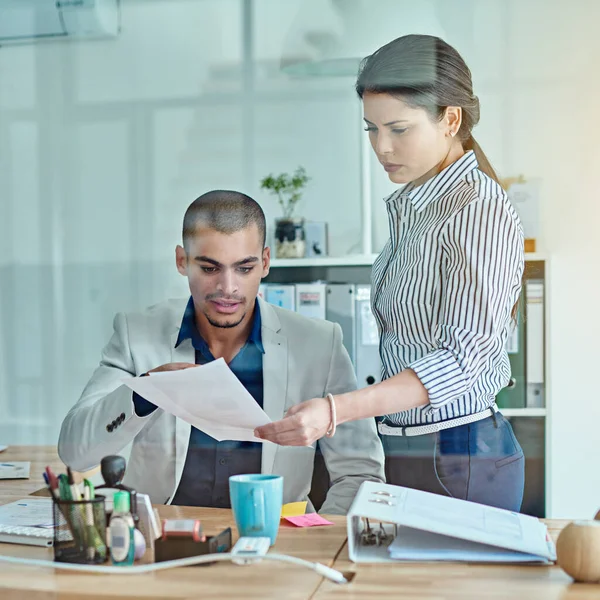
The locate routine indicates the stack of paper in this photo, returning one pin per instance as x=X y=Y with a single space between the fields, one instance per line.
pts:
x=29 y=512
x=15 y=470
x=414 y=544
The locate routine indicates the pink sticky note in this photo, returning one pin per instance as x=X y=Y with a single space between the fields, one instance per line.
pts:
x=308 y=520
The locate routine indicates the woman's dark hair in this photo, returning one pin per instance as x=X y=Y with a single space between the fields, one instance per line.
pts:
x=426 y=72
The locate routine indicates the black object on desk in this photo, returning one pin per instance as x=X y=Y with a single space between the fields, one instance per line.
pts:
x=112 y=468
x=174 y=548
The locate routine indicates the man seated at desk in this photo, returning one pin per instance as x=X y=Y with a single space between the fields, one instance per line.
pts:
x=281 y=358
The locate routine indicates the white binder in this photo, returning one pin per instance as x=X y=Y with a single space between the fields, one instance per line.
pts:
x=310 y=299
x=429 y=527
x=282 y=295
x=534 y=357
x=341 y=309
x=368 y=359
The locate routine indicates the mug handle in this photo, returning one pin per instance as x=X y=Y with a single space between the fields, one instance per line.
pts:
x=258 y=502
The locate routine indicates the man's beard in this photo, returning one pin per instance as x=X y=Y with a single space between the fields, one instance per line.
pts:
x=226 y=325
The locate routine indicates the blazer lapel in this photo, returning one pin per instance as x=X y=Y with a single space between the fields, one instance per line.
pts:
x=275 y=376
x=183 y=353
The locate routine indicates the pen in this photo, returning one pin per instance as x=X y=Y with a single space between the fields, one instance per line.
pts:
x=95 y=543
x=75 y=495
x=50 y=479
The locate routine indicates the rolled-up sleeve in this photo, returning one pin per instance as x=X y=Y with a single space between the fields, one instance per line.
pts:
x=483 y=251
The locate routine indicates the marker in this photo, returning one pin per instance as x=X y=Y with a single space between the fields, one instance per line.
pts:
x=89 y=486
x=52 y=482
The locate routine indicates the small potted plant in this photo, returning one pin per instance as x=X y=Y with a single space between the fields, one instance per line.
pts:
x=289 y=230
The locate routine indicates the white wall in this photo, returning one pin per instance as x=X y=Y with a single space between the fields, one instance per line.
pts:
x=535 y=69
x=104 y=143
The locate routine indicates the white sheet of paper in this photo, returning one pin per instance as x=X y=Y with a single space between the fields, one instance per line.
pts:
x=29 y=512
x=475 y=522
x=15 y=470
x=414 y=544
x=209 y=397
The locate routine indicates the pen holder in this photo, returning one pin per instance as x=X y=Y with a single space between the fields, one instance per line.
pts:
x=80 y=531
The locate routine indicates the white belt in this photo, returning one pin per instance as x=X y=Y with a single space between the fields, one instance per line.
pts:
x=409 y=430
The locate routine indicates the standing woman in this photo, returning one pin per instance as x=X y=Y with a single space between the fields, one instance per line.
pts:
x=444 y=289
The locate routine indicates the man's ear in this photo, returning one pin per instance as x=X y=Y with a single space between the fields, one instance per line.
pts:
x=181 y=260
x=266 y=261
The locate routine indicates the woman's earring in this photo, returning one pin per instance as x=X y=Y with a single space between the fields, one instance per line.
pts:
x=452 y=133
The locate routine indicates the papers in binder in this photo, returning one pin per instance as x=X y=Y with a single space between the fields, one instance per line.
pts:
x=414 y=544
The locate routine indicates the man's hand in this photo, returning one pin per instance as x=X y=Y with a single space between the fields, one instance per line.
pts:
x=172 y=367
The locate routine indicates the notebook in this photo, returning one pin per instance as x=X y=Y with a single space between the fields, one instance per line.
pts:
x=28 y=521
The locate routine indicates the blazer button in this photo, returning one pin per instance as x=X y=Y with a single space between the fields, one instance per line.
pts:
x=122 y=417
x=109 y=428
x=115 y=424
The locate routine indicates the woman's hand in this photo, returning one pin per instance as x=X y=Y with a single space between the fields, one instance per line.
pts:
x=302 y=425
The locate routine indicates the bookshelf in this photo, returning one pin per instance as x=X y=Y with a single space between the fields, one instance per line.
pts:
x=353 y=260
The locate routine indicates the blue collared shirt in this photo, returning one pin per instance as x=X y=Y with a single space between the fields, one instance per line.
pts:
x=209 y=464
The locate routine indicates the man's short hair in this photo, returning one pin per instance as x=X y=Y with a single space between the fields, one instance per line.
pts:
x=224 y=211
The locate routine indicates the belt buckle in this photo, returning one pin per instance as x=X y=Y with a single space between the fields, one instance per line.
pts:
x=402 y=428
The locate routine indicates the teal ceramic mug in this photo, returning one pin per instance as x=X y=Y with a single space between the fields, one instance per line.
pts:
x=256 y=503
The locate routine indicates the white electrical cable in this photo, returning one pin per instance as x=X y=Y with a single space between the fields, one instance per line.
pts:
x=323 y=570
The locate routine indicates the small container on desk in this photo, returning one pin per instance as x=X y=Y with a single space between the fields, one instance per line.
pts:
x=80 y=531
x=179 y=547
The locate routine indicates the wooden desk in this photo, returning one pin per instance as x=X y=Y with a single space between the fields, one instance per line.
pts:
x=275 y=580
x=457 y=581
x=222 y=580
x=40 y=457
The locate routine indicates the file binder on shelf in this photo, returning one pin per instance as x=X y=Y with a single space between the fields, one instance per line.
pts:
x=389 y=522
x=310 y=299
x=282 y=295
x=368 y=361
x=514 y=395
x=341 y=308
x=534 y=294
